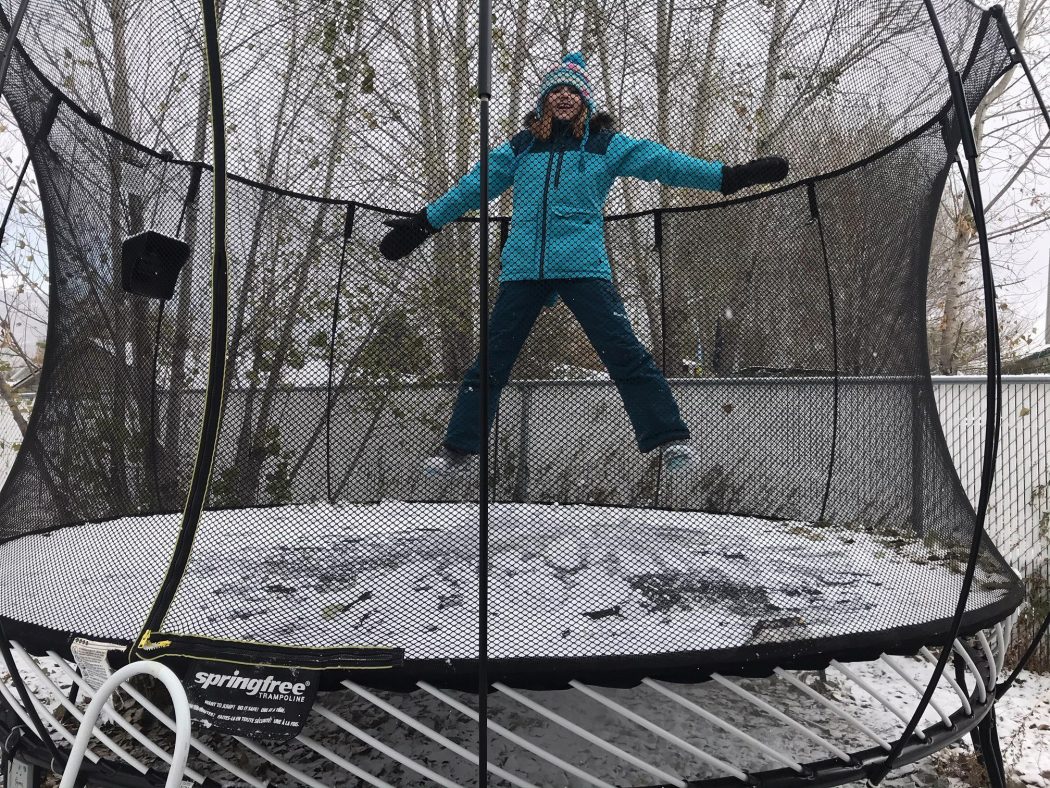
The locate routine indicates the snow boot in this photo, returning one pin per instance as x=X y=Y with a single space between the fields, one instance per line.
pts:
x=448 y=462
x=678 y=456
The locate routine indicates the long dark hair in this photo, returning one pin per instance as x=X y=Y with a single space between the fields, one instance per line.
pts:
x=541 y=126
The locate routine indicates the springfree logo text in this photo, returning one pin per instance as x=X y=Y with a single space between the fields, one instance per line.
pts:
x=251 y=686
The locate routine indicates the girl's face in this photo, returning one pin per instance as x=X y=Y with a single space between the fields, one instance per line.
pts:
x=564 y=102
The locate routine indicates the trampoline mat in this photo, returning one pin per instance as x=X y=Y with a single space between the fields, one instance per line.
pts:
x=564 y=581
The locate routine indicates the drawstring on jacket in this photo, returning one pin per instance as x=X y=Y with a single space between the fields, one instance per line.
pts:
x=583 y=142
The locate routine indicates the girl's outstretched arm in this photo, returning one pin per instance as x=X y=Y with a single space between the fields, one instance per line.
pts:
x=651 y=161
x=466 y=195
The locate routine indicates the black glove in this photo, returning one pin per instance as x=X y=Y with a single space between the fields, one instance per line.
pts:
x=769 y=169
x=406 y=234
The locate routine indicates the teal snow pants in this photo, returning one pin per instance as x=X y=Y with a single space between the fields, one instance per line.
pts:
x=600 y=311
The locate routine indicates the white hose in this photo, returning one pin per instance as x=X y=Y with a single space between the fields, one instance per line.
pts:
x=182 y=720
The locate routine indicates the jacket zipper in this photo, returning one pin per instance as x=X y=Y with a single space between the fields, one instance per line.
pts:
x=557 y=172
x=543 y=223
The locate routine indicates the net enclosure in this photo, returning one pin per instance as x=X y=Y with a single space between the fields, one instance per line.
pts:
x=228 y=458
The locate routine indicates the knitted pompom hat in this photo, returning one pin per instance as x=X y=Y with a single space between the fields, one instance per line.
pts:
x=571 y=71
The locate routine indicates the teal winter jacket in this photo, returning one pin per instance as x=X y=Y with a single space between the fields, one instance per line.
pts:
x=557 y=226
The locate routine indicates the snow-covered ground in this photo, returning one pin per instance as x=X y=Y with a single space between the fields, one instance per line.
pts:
x=1024 y=729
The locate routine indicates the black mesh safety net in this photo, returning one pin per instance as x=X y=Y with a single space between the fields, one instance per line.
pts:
x=717 y=447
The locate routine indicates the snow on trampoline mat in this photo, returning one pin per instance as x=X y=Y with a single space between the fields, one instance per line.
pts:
x=566 y=581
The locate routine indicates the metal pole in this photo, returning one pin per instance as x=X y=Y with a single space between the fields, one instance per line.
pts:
x=962 y=120
x=484 y=94
x=212 y=416
x=12 y=39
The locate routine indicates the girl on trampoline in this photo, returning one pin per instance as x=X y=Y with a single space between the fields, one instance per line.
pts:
x=562 y=167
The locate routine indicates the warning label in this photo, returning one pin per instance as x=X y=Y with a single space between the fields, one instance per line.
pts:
x=267 y=703
x=92 y=657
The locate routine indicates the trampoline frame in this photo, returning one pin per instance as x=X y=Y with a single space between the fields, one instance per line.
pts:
x=979 y=661
x=983 y=664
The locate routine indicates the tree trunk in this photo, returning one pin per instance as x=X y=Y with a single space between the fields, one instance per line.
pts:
x=763 y=116
x=705 y=87
x=662 y=67
x=515 y=89
x=132 y=331
x=173 y=437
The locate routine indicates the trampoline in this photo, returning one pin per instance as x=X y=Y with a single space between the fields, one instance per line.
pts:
x=613 y=583
x=224 y=466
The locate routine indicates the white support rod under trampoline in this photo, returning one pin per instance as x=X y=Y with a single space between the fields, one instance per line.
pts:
x=919 y=689
x=291 y=771
x=89 y=692
x=586 y=735
x=1001 y=646
x=197 y=744
x=979 y=681
x=777 y=714
x=993 y=673
x=79 y=716
x=776 y=755
x=992 y=651
x=868 y=688
x=45 y=716
x=499 y=730
x=342 y=762
x=387 y=750
x=928 y=656
x=183 y=723
x=434 y=736
x=679 y=742
x=827 y=704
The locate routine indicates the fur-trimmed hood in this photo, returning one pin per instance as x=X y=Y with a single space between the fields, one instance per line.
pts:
x=600 y=121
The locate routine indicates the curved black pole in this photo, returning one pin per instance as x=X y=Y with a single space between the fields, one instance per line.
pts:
x=1018 y=54
x=1011 y=40
x=484 y=95
x=348 y=231
x=816 y=218
x=195 y=499
x=9 y=45
x=962 y=120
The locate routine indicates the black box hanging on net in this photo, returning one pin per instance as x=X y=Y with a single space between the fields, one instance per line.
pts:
x=151 y=263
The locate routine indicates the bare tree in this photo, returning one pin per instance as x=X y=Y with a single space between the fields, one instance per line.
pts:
x=23 y=294
x=956 y=308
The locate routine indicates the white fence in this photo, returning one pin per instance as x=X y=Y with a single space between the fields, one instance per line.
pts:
x=10 y=439
x=1019 y=511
